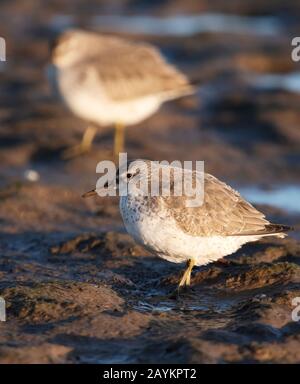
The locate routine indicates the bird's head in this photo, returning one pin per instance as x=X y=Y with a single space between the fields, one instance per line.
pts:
x=73 y=46
x=131 y=175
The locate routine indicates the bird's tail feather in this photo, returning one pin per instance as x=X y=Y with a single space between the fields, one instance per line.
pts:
x=270 y=230
x=180 y=92
x=277 y=230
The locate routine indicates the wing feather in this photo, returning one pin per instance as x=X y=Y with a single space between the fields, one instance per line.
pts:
x=129 y=70
x=224 y=212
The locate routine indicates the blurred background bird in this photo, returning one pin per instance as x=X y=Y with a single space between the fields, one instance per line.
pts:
x=108 y=80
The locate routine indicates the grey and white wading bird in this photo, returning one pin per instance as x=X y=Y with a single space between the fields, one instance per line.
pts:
x=197 y=235
x=108 y=80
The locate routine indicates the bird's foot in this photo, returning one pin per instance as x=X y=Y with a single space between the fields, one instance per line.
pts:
x=75 y=151
x=176 y=294
x=85 y=145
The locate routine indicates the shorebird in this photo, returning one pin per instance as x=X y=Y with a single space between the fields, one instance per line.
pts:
x=108 y=80
x=177 y=232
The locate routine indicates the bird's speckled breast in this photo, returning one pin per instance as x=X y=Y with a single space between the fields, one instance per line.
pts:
x=135 y=209
x=139 y=214
x=150 y=225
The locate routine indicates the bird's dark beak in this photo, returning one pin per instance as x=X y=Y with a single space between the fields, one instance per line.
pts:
x=93 y=192
x=89 y=193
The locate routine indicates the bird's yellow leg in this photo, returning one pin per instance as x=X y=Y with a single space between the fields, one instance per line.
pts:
x=119 y=139
x=186 y=278
x=84 y=146
x=182 y=282
x=191 y=264
x=88 y=137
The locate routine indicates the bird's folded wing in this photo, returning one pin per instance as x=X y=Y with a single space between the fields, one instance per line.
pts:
x=132 y=70
x=223 y=213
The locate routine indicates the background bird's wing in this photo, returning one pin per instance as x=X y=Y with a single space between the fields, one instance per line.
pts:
x=132 y=70
x=223 y=212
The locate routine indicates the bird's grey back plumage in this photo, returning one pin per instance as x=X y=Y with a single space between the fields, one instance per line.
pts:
x=223 y=213
x=129 y=70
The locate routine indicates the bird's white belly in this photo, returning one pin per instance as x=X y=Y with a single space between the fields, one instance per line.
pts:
x=161 y=235
x=105 y=112
x=90 y=102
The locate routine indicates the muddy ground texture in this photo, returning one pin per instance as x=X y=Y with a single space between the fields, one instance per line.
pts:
x=77 y=287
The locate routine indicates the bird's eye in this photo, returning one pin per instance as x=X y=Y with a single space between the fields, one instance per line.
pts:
x=129 y=175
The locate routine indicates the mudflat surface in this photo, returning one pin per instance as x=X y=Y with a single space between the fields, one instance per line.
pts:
x=77 y=287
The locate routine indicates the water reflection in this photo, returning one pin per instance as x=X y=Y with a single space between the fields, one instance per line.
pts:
x=179 y=25
x=286 y=197
x=288 y=81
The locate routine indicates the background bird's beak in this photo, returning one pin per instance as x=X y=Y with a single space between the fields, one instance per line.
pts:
x=89 y=193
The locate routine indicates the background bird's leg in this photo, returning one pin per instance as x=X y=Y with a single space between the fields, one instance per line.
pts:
x=119 y=139
x=84 y=146
x=88 y=137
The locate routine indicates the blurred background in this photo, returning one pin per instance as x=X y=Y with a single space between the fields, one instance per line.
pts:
x=243 y=122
